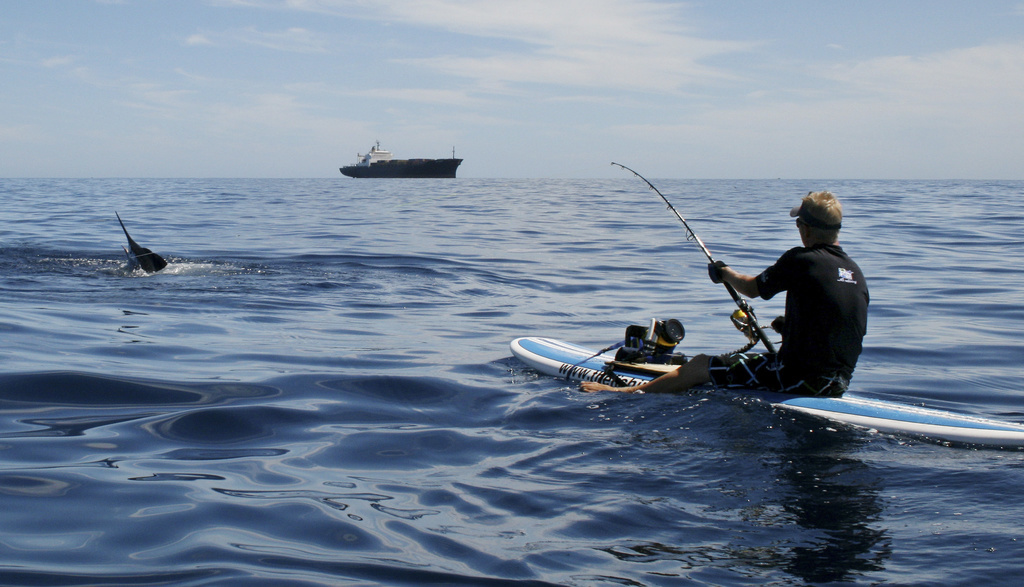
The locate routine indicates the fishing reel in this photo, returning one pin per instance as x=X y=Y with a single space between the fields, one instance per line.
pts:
x=653 y=343
x=744 y=322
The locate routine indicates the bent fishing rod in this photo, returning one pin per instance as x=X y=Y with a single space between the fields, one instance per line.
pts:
x=692 y=236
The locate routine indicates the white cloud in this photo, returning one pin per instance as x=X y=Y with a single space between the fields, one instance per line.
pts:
x=20 y=133
x=422 y=96
x=198 y=39
x=978 y=78
x=947 y=114
x=295 y=39
x=172 y=103
x=58 y=61
x=633 y=44
x=591 y=43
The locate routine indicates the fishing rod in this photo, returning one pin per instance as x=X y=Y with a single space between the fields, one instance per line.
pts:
x=692 y=236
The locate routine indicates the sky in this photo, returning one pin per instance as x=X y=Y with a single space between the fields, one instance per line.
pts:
x=711 y=89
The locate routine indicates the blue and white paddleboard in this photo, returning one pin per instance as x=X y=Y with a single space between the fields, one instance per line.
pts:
x=577 y=363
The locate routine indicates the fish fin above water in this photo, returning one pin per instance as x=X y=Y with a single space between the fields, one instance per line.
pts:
x=146 y=259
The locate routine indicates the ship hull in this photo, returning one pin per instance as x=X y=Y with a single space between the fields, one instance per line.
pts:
x=405 y=168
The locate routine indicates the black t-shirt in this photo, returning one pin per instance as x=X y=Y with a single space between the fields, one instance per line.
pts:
x=826 y=309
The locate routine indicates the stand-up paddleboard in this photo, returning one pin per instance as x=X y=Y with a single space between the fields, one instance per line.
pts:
x=577 y=363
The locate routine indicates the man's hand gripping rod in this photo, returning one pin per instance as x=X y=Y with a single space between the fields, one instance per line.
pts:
x=743 y=305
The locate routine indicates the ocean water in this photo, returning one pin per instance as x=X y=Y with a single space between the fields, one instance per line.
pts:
x=318 y=390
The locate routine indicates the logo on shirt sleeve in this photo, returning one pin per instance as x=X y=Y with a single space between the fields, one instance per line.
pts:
x=846 y=276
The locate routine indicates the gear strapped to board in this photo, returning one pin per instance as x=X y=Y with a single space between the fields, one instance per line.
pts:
x=654 y=343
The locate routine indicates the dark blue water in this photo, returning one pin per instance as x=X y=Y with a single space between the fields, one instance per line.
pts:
x=318 y=390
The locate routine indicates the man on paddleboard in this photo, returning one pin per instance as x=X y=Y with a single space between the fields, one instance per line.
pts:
x=823 y=329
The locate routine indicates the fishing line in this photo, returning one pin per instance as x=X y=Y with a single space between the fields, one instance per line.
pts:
x=692 y=236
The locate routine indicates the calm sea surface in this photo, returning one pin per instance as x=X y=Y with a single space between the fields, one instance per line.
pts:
x=318 y=389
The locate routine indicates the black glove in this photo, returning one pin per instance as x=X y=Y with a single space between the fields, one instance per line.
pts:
x=715 y=271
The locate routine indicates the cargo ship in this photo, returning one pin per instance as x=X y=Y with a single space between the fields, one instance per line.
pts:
x=379 y=163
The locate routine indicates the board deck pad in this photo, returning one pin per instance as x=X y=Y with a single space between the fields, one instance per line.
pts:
x=577 y=363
